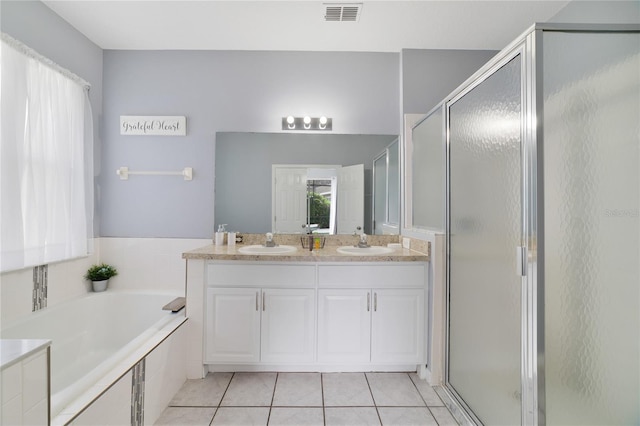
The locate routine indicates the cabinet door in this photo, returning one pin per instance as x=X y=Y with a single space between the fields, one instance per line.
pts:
x=344 y=325
x=397 y=326
x=288 y=325
x=232 y=328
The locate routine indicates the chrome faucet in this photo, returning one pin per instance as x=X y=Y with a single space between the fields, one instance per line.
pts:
x=269 y=242
x=363 y=241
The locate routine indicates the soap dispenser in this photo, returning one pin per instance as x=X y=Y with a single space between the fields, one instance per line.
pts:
x=231 y=238
x=219 y=236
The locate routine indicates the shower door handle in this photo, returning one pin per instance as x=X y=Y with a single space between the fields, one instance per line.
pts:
x=521 y=261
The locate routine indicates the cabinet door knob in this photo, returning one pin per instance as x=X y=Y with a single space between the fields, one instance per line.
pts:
x=368 y=302
x=375 y=302
x=257 y=301
x=263 y=304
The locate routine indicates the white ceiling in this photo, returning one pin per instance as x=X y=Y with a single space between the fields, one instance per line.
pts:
x=384 y=26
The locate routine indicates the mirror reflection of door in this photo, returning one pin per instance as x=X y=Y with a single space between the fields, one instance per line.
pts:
x=290 y=204
x=324 y=199
x=351 y=199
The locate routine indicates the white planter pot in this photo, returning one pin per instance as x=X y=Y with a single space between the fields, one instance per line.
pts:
x=99 y=285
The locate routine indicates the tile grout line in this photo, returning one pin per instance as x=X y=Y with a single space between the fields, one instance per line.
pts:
x=273 y=397
x=373 y=398
x=420 y=394
x=324 y=412
x=425 y=401
x=266 y=406
x=221 y=398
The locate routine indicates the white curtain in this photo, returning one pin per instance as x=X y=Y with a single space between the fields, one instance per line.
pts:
x=46 y=203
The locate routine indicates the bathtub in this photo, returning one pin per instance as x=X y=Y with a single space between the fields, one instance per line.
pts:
x=96 y=339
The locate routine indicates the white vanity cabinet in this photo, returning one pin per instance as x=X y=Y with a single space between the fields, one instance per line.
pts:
x=378 y=326
x=344 y=325
x=232 y=324
x=371 y=313
x=259 y=313
x=367 y=315
x=397 y=326
x=288 y=325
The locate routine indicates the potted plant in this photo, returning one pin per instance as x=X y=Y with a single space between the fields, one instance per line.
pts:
x=99 y=276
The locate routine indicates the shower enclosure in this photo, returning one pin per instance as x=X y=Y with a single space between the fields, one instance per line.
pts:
x=543 y=231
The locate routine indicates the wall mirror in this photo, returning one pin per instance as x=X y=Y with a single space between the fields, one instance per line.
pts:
x=427 y=173
x=244 y=184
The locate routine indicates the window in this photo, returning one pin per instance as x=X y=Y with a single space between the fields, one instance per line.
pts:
x=46 y=176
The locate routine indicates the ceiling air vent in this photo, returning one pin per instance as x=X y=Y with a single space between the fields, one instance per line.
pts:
x=342 y=12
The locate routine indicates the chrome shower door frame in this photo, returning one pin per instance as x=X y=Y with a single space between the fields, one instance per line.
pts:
x=530 y=46
x=525 y=47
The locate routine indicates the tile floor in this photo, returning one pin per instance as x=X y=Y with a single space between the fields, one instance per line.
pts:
x=307 y=399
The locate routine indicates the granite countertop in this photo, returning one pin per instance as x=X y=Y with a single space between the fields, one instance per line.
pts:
x=327 y=254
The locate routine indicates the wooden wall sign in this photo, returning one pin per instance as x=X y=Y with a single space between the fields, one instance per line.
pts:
x=153 y=125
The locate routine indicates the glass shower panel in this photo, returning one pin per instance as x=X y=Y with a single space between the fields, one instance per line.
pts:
x=485 y=228
x=592 y=229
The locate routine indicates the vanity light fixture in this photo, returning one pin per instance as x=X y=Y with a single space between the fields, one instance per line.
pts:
x=307 y=123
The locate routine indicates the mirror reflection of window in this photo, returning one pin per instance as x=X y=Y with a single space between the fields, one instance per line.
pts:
x=319 y=200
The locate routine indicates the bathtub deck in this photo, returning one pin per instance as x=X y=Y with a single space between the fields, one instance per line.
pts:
x=71 y=411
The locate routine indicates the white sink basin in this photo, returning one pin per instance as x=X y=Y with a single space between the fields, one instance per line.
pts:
x=260 y=249
x=366 y=251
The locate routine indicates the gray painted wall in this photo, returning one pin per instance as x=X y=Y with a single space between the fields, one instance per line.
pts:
x=37 y=26
x=243 y=182
x=599 y=12
x=430 y=75
x=235 y=91
x=222 y=91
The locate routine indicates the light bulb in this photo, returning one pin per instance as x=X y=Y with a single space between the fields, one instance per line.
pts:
x=290 y=119
x=307 y=122
x=323 y=120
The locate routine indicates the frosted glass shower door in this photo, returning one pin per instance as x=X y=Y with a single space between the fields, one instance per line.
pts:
x=484 y=232
x=592 y=228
